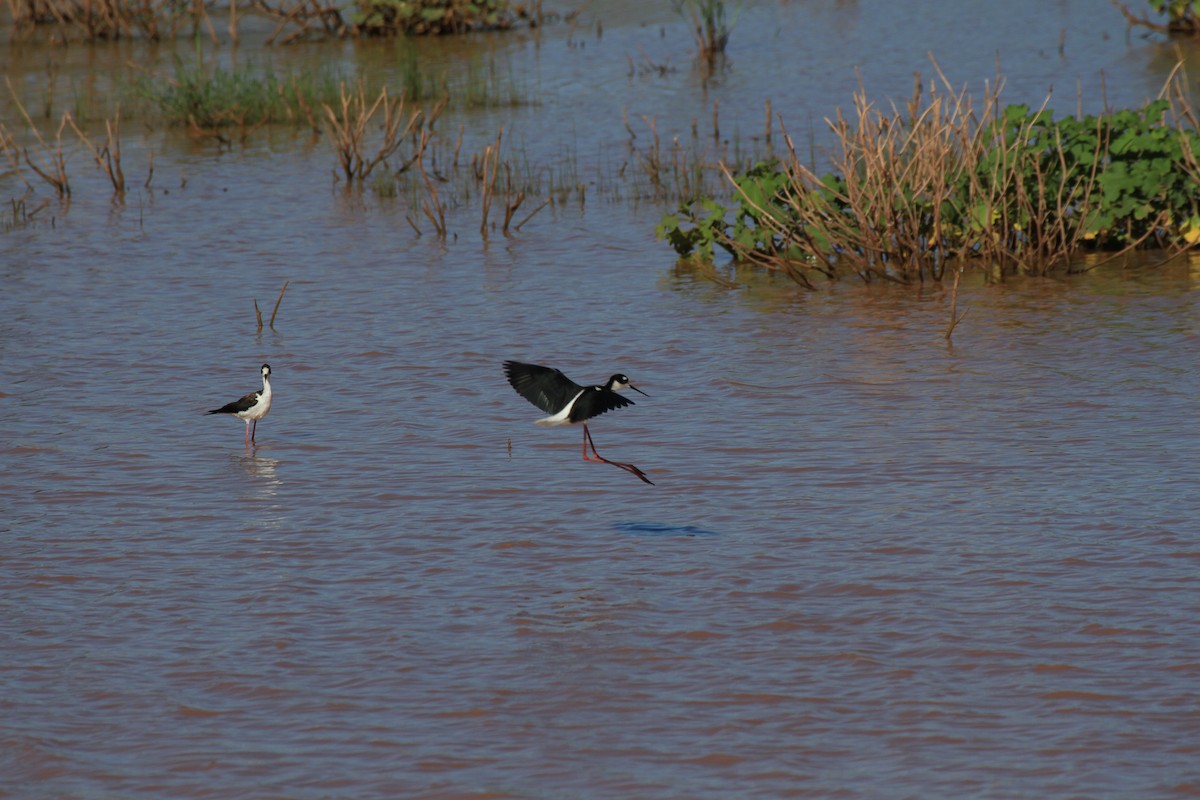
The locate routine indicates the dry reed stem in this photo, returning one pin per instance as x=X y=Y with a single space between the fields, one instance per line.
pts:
x=51 y=164
x=490 y=169
x=308 y=15
x=511 y=202
x=114 y=19
x=436 y=214
x=8 y=146
x=277 y=302
x=530 y=215
x=955 y=317
x=108 y=157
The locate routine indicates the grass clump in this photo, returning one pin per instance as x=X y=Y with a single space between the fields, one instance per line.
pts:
x=712 y=22
x=206 y=99
x=943 y=183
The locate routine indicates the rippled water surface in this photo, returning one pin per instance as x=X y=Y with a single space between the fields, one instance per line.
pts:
x=873 y=563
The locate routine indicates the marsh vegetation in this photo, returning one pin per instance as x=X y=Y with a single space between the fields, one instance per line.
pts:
x=951 y=180
x=284 y=21
x=908 y=194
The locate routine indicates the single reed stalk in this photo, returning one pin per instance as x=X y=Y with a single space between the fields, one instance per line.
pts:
x=529 y=216
x=490 y=164
x=277 y=302
x=652 y=158
x=955 y=318
x=511 y=202
x=258 y=316
x=436 y=214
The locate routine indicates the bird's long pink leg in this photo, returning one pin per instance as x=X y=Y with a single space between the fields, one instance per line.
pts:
x=587 y=438
x=254 y=430
x=247 y=434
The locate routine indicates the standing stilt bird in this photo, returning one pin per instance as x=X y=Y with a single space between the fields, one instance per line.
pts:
x=252 y=407
x=568 y=403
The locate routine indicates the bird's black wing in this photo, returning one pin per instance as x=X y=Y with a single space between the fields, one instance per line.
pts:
x=545 y=387
x=593 y=404
x=237 y=405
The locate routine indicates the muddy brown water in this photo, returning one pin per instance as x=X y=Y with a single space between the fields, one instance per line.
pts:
x=874 y=564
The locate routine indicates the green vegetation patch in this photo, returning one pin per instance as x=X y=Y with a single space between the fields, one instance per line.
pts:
x=214 y=98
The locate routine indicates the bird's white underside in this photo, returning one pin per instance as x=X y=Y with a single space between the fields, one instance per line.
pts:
x=562 y=417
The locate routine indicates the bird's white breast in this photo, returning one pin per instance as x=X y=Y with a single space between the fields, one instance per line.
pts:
x=259 y=409
x=562 y=417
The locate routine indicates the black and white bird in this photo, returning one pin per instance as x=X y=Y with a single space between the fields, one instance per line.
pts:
x=568 y=403
x=252 y=407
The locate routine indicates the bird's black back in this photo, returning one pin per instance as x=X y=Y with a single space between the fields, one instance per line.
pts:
x=595 y=401
x=237 y=406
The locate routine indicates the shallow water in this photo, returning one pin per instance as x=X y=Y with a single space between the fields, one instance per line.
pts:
x=873 y=563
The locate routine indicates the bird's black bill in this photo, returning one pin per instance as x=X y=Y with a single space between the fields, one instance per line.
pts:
x=639 y=391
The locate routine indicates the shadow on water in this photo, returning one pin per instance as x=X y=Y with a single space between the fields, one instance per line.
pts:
x=661 y=529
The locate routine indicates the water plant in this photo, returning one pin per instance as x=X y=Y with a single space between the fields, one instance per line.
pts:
x=1183 y=16
x=429 y=17
x=711 y=23
x=207 y=99
x=941 y=183
x=108 y=155
x=350 y=120
x=48 y=160
x=258 y=313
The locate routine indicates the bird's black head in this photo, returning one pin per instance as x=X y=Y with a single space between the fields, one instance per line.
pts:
x=266 y=370
x=621 y=381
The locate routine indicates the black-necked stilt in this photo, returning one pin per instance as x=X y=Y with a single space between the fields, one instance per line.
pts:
x=568 y=403
x=252 y=407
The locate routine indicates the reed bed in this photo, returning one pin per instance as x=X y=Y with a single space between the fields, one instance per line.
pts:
x=384 y=142
x=950 y=179
x=289 y=20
